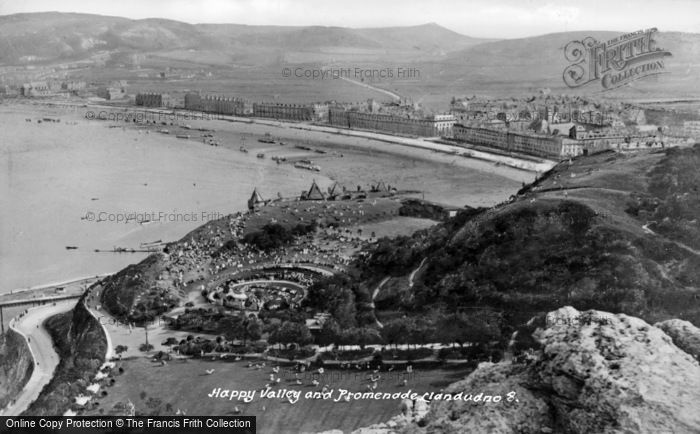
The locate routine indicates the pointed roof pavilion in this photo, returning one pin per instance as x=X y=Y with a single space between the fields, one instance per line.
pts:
x=255 y=200
x=335 y=190
x=315 y=192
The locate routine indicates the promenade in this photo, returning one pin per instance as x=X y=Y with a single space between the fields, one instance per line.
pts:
x=30 y=327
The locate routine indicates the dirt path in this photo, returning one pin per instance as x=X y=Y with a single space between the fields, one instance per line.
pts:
x=413 y=273
x=377 y=89
x=677 y=243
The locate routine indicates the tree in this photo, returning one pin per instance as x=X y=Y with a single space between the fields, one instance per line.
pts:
x=330 y=333
x=208 y=346
x=395 y=332
x=419 y=331
x=232 y=327
x=253 y=331
x=170 y=342
x=362 y=336
x=476 y=327
x=121 y=349
x=291 y=333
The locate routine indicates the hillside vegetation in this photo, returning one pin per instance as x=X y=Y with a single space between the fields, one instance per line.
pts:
x=575 y=237
x=52 y=36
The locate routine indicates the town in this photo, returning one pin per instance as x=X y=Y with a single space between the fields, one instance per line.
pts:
x=325 y=218
x=546 y=126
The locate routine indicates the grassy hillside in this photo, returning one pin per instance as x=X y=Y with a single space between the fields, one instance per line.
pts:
x=575 y=237
x=53 y=37
x=517 y=67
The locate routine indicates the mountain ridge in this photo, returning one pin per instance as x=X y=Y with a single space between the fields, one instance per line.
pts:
x=54 y=36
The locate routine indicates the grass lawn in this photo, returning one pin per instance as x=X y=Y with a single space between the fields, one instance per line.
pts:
x=394 y=227
x=339 y=213
x=184 y=385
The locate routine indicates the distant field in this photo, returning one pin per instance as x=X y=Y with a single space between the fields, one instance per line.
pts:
x=395 y=227
x=260 y=83
x=184 y=385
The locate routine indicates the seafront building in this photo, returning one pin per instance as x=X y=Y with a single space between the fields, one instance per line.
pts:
x=431 y=126
x=557 y=146
x=618 y=139
x=241 y=107
x=540 y=145
x=292 y=112
x=152 y=99
x=218 y=105
x=691 y=128
x=36 y=89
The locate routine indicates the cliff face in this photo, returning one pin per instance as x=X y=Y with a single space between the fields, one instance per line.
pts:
x=16 y=366
x=81 y=344
x=594 y=372
x=684 y=334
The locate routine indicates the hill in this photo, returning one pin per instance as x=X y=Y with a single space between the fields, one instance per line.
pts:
x=57 y=37
x=214 y=56
x=611 y=232
x=515 y=67
x=52 y=36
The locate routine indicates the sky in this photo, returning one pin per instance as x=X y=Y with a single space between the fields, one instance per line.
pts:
x=478 y=18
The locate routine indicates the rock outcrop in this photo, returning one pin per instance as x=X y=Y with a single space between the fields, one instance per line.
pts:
x=684 y=334
x=594 y=372
x=16 y=366
x=412 y=411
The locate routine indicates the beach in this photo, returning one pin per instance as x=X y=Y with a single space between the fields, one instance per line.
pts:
x=60 y=174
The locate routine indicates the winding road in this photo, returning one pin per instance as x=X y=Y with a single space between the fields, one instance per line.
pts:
x=394 y=95
x=30 y=326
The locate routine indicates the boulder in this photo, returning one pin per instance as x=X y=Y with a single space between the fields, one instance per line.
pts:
x=593 y=372
x=684 y=334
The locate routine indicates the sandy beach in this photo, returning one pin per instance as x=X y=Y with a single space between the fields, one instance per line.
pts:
x=57 y=174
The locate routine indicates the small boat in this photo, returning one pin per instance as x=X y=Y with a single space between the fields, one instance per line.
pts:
x=267 y=138
x=71 y=247
x=307 y=165
x=151 y=242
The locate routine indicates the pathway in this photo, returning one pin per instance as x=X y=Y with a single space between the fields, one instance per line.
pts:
x=30 y=326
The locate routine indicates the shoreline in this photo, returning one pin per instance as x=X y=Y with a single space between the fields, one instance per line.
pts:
x=53 y=285
x=403 y=146
x=424 y=143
